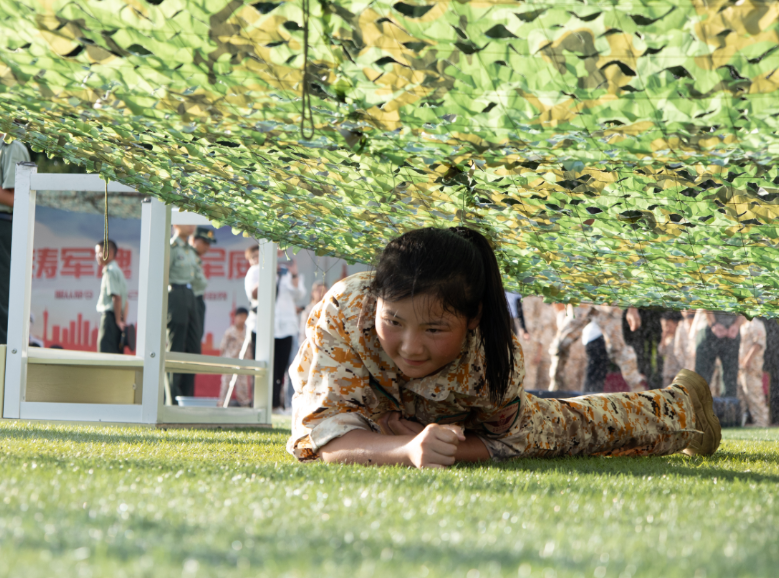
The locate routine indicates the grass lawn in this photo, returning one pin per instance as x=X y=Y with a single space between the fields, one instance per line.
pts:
x=107 y=501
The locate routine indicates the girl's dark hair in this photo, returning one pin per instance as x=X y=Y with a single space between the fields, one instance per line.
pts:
x=458 y=267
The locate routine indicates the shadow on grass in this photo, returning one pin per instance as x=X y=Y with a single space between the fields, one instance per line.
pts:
x=717 y=466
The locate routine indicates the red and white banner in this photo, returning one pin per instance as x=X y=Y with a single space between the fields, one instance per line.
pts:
x=66 y=279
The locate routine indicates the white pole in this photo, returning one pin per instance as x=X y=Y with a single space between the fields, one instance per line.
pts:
x=20 y=290
x=266 y=309
x=153 y=304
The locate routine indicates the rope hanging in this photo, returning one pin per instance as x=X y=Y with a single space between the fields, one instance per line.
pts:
x=306 y=115
x=105 y=225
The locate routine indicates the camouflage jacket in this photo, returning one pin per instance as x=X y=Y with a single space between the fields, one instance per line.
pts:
x=344 y=381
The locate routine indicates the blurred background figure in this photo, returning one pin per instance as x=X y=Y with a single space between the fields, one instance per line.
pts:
x=750 y=370
x=670 y=348
x=182 y=309
x=721 y=341
x=318 y=291
x=112 y=301
x=201 y=242
x=231 y=344
x=517 y=314
x=771 y=367
x=10 y=154
x=641 y=330
x=252 y=285
x=536 y=325
x=684 y=343
x=609 y=324
x=567 y=357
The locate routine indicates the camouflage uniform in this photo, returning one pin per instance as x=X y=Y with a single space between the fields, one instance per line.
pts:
x=673 y=358
x=567 y=357
x=684 y=348
x=542 y=326
x=344 y=381
x=750 y=378
x=232 y=343
x=609 y=320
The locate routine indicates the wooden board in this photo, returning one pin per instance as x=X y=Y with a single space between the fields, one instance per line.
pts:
x=82 y=384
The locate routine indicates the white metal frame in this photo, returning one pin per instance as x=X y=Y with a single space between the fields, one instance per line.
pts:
x=151 y=355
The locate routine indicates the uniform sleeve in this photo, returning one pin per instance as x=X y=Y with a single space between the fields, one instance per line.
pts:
x=332 y=389
x=113 y=283
x=18 y=154
x=225 y=343
x=497 y=426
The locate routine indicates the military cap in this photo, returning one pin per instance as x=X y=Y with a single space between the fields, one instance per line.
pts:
x=206 y=234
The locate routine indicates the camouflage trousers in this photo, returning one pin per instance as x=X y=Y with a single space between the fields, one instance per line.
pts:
x=750 y=391
x=656 y=422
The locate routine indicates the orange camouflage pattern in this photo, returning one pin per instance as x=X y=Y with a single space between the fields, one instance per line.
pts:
x=343 y=381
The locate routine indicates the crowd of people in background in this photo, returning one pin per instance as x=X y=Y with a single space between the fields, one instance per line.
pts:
x=598 y=348
x=585 y=348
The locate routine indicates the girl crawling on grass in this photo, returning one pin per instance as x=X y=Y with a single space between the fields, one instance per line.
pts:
x=415 y=364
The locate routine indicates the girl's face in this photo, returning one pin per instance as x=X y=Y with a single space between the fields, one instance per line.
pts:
x=419 y=336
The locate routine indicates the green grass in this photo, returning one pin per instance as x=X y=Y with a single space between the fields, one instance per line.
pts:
x=107 y=501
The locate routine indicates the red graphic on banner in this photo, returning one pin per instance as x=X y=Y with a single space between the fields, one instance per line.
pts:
x=78 y=335
x=238 y=265
x=45 y=263
x=214 y=263
x=77 y=262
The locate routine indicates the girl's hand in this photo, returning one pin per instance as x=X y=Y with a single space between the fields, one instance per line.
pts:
x=435 y=446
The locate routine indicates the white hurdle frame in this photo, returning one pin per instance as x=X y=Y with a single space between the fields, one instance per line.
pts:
x=151 y=356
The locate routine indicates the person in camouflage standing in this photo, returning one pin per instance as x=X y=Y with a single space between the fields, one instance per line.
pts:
x=750 y=370
x=182 y=308
x=10 y=154
x=609 y=321
x=541 y=326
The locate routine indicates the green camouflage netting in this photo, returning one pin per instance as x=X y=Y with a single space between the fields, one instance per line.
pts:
x=617 y=152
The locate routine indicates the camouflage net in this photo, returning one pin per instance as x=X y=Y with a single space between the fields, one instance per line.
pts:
x=617 y=152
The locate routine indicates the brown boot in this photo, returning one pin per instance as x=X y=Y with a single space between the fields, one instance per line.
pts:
x=706 y=422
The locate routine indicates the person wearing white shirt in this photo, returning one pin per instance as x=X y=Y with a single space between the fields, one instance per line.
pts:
x=289 y=289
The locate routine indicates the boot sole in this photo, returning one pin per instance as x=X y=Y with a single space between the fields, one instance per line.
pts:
x=711 y=428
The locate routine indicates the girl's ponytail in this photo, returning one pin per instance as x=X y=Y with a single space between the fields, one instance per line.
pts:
x=458 y=267
x=496 y=334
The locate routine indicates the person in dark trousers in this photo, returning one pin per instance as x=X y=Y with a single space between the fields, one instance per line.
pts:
x=643 y=331
x=722 y=340
x=10 y=154
x=597 y=358
x=112 y=301
x=201 y=242
x=182 y=309
x=771 y=366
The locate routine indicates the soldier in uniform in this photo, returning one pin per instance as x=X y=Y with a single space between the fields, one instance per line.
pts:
x=750 y=370
x=182 y=308
x=201 y=242
x=112 y=302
